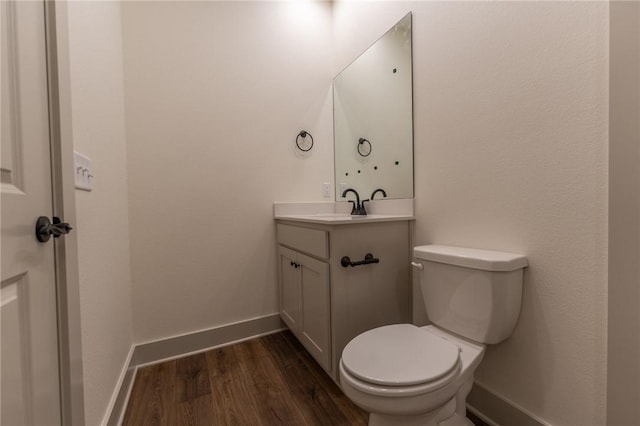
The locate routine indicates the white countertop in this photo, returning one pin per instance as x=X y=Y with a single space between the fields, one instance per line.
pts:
x=342 y=218
x=338 y=213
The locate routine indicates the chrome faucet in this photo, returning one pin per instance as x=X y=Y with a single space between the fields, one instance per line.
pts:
x=357 y=207
x=384 y=193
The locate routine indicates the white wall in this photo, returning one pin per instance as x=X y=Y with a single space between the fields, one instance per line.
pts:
x=511 y=154
x=216 y=93
x=623 y=379
x=102 y=215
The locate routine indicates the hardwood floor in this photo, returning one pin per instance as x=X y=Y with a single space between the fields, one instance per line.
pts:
x=271 y=380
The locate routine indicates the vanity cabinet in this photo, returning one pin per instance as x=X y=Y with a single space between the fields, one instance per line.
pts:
x=326 y=304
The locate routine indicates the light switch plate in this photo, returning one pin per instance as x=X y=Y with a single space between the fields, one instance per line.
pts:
x=82 y=171
x=326 y=187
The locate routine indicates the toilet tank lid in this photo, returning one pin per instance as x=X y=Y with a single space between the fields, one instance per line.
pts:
x=486 y=260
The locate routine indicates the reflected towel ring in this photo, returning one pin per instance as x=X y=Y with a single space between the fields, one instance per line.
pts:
x=361 y=142
x=303 y=134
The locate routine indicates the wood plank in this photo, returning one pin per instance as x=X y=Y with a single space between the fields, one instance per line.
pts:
x=313 y=392
x=269 y=394
x=194 y=412
x=228 y=388
x=152 y=397
x=353 y=414
x=192 y=378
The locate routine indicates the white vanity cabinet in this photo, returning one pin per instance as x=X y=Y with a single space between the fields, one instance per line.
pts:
x=326 y=304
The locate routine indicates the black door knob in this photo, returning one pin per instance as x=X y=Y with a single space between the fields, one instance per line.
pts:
x=45 y=228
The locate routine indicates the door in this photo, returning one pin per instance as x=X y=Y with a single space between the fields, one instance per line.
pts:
x=289 y=288
x=316 y=321
x=305 y=302
x=28 y=324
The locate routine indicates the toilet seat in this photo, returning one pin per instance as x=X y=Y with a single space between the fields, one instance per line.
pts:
x=400 y=359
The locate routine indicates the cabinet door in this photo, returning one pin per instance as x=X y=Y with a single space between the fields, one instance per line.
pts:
x=290 y=292
x=316 y=313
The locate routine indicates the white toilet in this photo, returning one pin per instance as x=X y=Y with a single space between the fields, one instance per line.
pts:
x=407 y=375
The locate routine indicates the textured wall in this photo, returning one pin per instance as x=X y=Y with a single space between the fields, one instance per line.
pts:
x=216 y=93
x=511 y=103
x=95 y=48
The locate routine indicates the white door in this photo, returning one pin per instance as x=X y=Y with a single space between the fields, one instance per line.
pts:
x=289 y=288
x=316 y=322
x=28 y=340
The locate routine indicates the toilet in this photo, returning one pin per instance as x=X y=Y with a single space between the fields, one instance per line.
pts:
x=408 y=375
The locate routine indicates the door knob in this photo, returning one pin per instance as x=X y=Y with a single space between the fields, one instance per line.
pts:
x=45 y=228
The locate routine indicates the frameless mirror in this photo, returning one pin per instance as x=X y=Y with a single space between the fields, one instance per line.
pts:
x=373 y=119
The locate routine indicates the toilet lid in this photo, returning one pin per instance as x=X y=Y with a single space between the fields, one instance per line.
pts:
x=399 y=355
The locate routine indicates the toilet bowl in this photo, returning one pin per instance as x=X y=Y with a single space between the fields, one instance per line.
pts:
x=405 y=375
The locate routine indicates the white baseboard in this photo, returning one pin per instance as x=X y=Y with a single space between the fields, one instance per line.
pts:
x=122 y=390
x=180 y=346
x=496 y=410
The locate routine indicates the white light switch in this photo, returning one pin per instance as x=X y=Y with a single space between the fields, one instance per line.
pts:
x=82 y=171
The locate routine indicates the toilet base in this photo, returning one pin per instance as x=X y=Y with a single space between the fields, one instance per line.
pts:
x=444 y=416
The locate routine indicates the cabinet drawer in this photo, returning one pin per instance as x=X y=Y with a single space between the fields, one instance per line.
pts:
x=307 y=240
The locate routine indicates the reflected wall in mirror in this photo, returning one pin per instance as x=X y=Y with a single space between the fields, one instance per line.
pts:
x=373 y=118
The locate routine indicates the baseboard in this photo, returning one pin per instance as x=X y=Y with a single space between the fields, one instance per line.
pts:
x=496 y=411
x=161 y=350
x=123 y=389
x=184 y=345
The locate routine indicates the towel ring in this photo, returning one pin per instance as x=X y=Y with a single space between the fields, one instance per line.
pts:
x=303 y=134
x=361 y=142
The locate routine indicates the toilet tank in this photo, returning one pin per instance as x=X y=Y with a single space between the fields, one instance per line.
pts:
x=471 y=292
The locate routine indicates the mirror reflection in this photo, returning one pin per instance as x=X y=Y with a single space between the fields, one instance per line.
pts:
x=373 y=119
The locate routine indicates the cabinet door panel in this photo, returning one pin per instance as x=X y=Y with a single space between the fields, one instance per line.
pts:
x=369 y=296
x=315 y=309
x=289 y=289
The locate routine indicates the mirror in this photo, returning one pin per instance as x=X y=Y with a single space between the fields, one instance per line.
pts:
x=373 y=119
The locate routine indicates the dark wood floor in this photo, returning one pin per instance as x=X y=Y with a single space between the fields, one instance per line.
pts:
x=271 y=380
